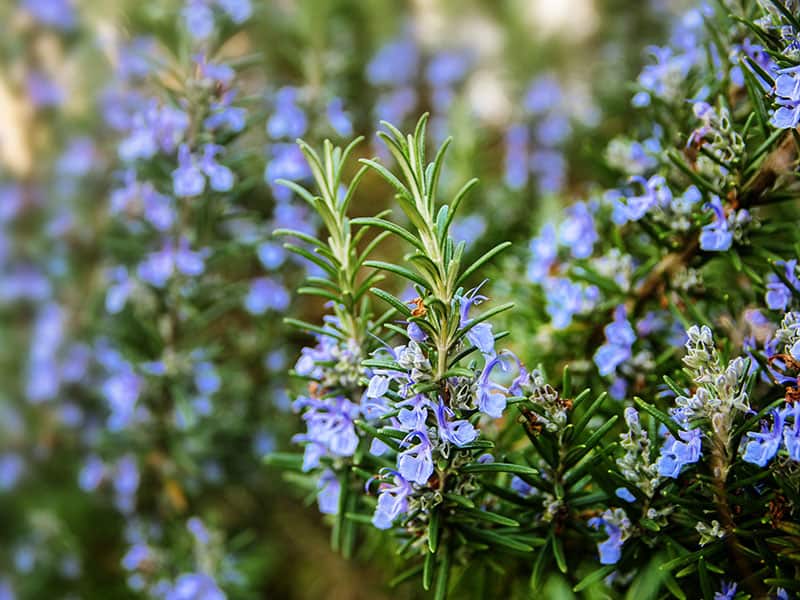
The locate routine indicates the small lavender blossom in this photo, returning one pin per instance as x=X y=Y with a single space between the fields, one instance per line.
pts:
x=187 y=179
x=392 y=499
x=617 y=349
x=716 y=236
x=416 y=462
x=616 y=525
x=779 y=295
x=328 y=490
x=676 y=454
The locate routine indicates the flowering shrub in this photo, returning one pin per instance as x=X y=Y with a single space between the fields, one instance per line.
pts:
x=213 y=302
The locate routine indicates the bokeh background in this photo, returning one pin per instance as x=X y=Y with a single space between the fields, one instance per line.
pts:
x=133 y=422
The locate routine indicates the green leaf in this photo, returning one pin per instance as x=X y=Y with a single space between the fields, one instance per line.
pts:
x=558 y=553
x=442 y=576
x=398 y=270
x=482 y=261
x=594 y=577
x=326 y=331
x=499 y=468
x=393 y=301
x=427 y=570
x=495 y=539
x=285 y=460
x=433 y=530
x=392 y=227
x=658 y=415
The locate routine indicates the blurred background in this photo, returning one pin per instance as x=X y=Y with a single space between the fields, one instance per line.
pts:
x=136 y=407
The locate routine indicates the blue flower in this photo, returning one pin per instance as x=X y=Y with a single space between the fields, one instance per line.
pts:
x=187 y=179
x=206 y=379
x=338 y=118
x=492 y=397
x=791 y=434
x=516 y=156
x=779 y=295
x=676 y=454
x=271 y=255
x=195 y=586
x=521 y=487
x=577 y=230
x=12 y=466
x=328 y=490
x=459 y=433
x=126 y=482
x=395 y=64
x=91 y=474
x=266 y=294
x=59 y=14
x=619 y=343
x=416 y=463
x=716 y=236
x=544 y=250
x=198 y=19
x=223 y=114
x=288 y=120
x=728 y=591
x=763 y=446
x=237 y=10
x=625 y=494
x=566 y=298
x=787 y=90
x=656 y=193
x=198 y=530
x=219 y=176
x=479 y=335
x=612 y=522
x=392 y=499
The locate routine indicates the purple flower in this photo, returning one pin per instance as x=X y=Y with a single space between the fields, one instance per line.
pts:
x=787 y=90
x=126 y=482
x=266 y=294
x=459 y=433
x=288 y=120
x=416 y=463
x=447 y=68
x=237 y=10
x=791 y=434
x=198 y=19
x=479 y=335
x=206 y=379
x=544 y=250
x=763 y=446
x=338 y=118
x=625 y=494
x=12 y=466
x=492 y=397
x=225 y=115
x=392 y=499
x=195 y=586
x=716 y=236
x=395 y=64
x=610 y=549
x=577 y=231
x=198 y=530
x=59 y=14
x=516 y=156
x=779 y=296
x=187 y=179
x=328 y=490
x=91 y=474
x=728 y=591
x=676 y=454
x=618 y=346
x=219 y=176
